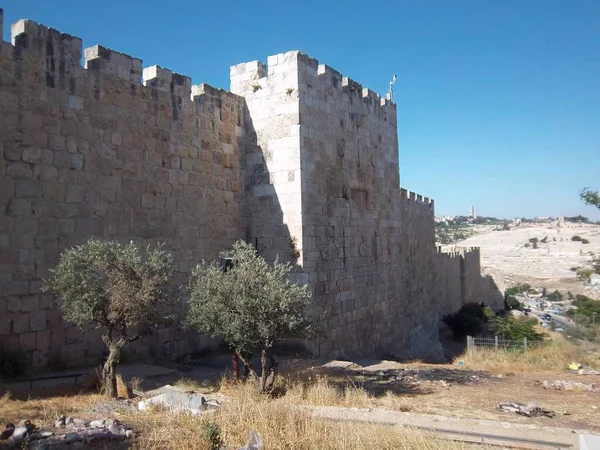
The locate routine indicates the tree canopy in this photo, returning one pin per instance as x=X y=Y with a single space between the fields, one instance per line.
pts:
x=251 y=306
x=115 y=286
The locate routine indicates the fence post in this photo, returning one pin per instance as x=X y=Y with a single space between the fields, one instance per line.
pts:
x=496 y=343
x=469 y=344
x=525 y=343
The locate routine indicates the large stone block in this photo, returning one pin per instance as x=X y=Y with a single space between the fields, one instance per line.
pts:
x=27 y=342
x=38 y=320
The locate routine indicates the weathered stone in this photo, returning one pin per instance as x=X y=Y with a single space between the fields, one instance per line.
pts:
x=27 y=341
x=37 y=320
x=98 y=153
x=19 y=170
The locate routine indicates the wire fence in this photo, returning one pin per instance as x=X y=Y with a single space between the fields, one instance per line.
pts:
x=497 y=343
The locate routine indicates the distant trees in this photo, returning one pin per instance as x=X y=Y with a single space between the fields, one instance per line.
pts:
x=116 y=287
x=555 y=296
x=577 y=219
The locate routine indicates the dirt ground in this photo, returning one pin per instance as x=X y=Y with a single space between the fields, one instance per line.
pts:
x=457 y=391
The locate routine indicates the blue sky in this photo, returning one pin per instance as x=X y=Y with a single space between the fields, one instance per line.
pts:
x=498 y=101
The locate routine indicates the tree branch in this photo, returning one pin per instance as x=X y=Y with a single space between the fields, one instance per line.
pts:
x=248 y=364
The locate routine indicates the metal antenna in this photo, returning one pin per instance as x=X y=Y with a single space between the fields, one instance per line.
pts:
x=390 y=93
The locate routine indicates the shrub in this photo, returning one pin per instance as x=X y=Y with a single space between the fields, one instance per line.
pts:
x=555 y=296
x=115 y=287
x=518 y=289
x=463 y=324
x=489 y=314
x=211 y=432
x=585 y=241
x=513 y=303
x=577 y=238
x=514 y=328
x=468 y=320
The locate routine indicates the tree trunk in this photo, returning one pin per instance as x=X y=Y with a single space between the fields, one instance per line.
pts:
x=109 y=371
x=236 y=367
x=268 y=370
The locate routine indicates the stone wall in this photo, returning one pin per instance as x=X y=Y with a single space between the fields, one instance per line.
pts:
x=461 y=280
x=322 y=156
x=297 y=159
x=272 y=153
x=112 y=151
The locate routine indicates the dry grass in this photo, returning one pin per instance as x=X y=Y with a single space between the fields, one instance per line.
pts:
x=281 y=424
x=45 y=410
x=557 y=355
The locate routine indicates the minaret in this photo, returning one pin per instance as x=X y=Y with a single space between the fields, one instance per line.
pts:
x=473 y=216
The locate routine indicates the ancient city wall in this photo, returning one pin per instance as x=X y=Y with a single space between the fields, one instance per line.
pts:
x=297 y=159
x=110 y=150
x=322 y=157
x=461 y=280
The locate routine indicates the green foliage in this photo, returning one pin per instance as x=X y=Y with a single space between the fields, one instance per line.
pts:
x=211 y=432
x=115 y=286
x=510 y=294
x=555 y=296
x=513 y=328
x=513 y=302
x=577 y=238
x=585 y=307
x=590 y=197
x=12 y=365
x=489 y=314
x=252 y=305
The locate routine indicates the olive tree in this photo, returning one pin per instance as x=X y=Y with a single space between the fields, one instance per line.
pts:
x=251 y=306
x=117 y=287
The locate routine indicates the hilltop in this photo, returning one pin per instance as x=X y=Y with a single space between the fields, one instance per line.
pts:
x=542 y=254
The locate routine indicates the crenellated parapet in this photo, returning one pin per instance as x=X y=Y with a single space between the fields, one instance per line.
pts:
x=471 y=252
x=298 y=71
x=48 y=57
x=412 y=199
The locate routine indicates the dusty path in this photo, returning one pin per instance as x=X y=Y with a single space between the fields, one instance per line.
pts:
x=470 y=430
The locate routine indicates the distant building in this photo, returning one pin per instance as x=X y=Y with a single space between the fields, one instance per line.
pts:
x=473 y=216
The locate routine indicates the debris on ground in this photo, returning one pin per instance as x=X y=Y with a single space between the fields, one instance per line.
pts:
x=179 y=400
x=588 y=372
x=575 y=366
x=443 y=377
x=67 y=430
x=561 y=385
x=530 y=410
